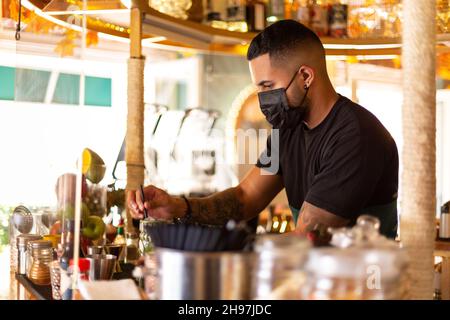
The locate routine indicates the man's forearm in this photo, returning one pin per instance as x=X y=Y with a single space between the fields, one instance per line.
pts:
x=218 y=208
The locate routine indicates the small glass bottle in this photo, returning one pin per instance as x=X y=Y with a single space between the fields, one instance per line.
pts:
x=120 y=240
x=132 y=241
x=256 y=15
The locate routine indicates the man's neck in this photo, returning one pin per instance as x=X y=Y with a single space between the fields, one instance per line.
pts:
x=322 y=100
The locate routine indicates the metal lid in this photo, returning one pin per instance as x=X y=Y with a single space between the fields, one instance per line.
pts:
x=23 y=239
x=38 y=244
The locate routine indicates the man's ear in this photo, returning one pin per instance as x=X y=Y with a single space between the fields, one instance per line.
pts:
x=307 y=74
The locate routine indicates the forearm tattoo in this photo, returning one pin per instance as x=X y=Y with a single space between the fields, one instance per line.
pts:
x=218 y=208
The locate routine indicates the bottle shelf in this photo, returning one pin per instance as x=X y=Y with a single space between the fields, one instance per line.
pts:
x=165 y=31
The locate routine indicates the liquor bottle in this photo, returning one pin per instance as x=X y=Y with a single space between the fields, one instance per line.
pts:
x=270 y=216
x=212 y=14
x=319 y=18
x=275 y=11
x=120 y=236
x=235 y=16
x=235 y=10
x=337 y=17
x=302 y=12
x=256 y=15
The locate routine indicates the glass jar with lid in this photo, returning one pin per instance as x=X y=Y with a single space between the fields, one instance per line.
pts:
x=354 y=274
x=41 y=257
x=361 y=265
x=279 y=266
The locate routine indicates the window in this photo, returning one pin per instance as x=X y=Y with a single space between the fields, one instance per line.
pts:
x=7 y=81
x=28 y=85
x=67 y=90
x=97 y=91
x=31 y=85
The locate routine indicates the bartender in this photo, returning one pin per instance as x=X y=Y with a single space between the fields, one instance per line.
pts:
x=334 y=158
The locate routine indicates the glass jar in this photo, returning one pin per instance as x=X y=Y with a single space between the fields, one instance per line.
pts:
x=41 y=257
x=279 y=268
x=95 y=198
x=362 y=265
x=354 y=274
x=145 y=242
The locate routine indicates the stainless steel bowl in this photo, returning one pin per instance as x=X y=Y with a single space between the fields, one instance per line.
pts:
x=185 y=275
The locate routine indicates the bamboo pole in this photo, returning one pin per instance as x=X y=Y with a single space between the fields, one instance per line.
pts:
x=134 y=151
x=417 y=224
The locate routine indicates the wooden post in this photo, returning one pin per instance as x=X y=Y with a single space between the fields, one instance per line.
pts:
x=134 y=150
x=417 y=228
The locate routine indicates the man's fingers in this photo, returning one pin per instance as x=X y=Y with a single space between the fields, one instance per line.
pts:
x=139 y=202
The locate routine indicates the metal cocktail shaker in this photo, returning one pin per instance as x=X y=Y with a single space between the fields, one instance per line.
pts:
x=444 y=226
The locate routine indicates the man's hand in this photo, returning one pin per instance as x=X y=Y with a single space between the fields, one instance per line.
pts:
x=159 y=204
x=242 y=202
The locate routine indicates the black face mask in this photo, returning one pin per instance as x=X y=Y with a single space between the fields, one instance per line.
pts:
x=274 y=105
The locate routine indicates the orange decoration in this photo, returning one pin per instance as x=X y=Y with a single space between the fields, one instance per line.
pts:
x=443 y=66
x=397 y=61
x=66 y=46
x=91 y=38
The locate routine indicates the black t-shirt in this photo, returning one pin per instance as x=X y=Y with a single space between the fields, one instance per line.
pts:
x=347 y=165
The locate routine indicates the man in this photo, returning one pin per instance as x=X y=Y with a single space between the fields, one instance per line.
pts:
x=333 y=157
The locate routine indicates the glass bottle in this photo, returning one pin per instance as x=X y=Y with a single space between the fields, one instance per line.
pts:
x=67 y=243
x=302 y=12
x=275 y=11
x=338 y=18
x=319 y=18
x=256 y=15
x=120 y=240
x=120 y=235
x=235 y=16
x=132 y=241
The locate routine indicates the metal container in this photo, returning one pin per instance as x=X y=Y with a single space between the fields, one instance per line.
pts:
x=101 y=266
x=444 y=225
x=91 y=250
x=22 y=256
x=42 y=256
x=279 y=270
x=183 y=275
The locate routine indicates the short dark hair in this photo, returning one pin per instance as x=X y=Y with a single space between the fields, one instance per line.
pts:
x=282 y=38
